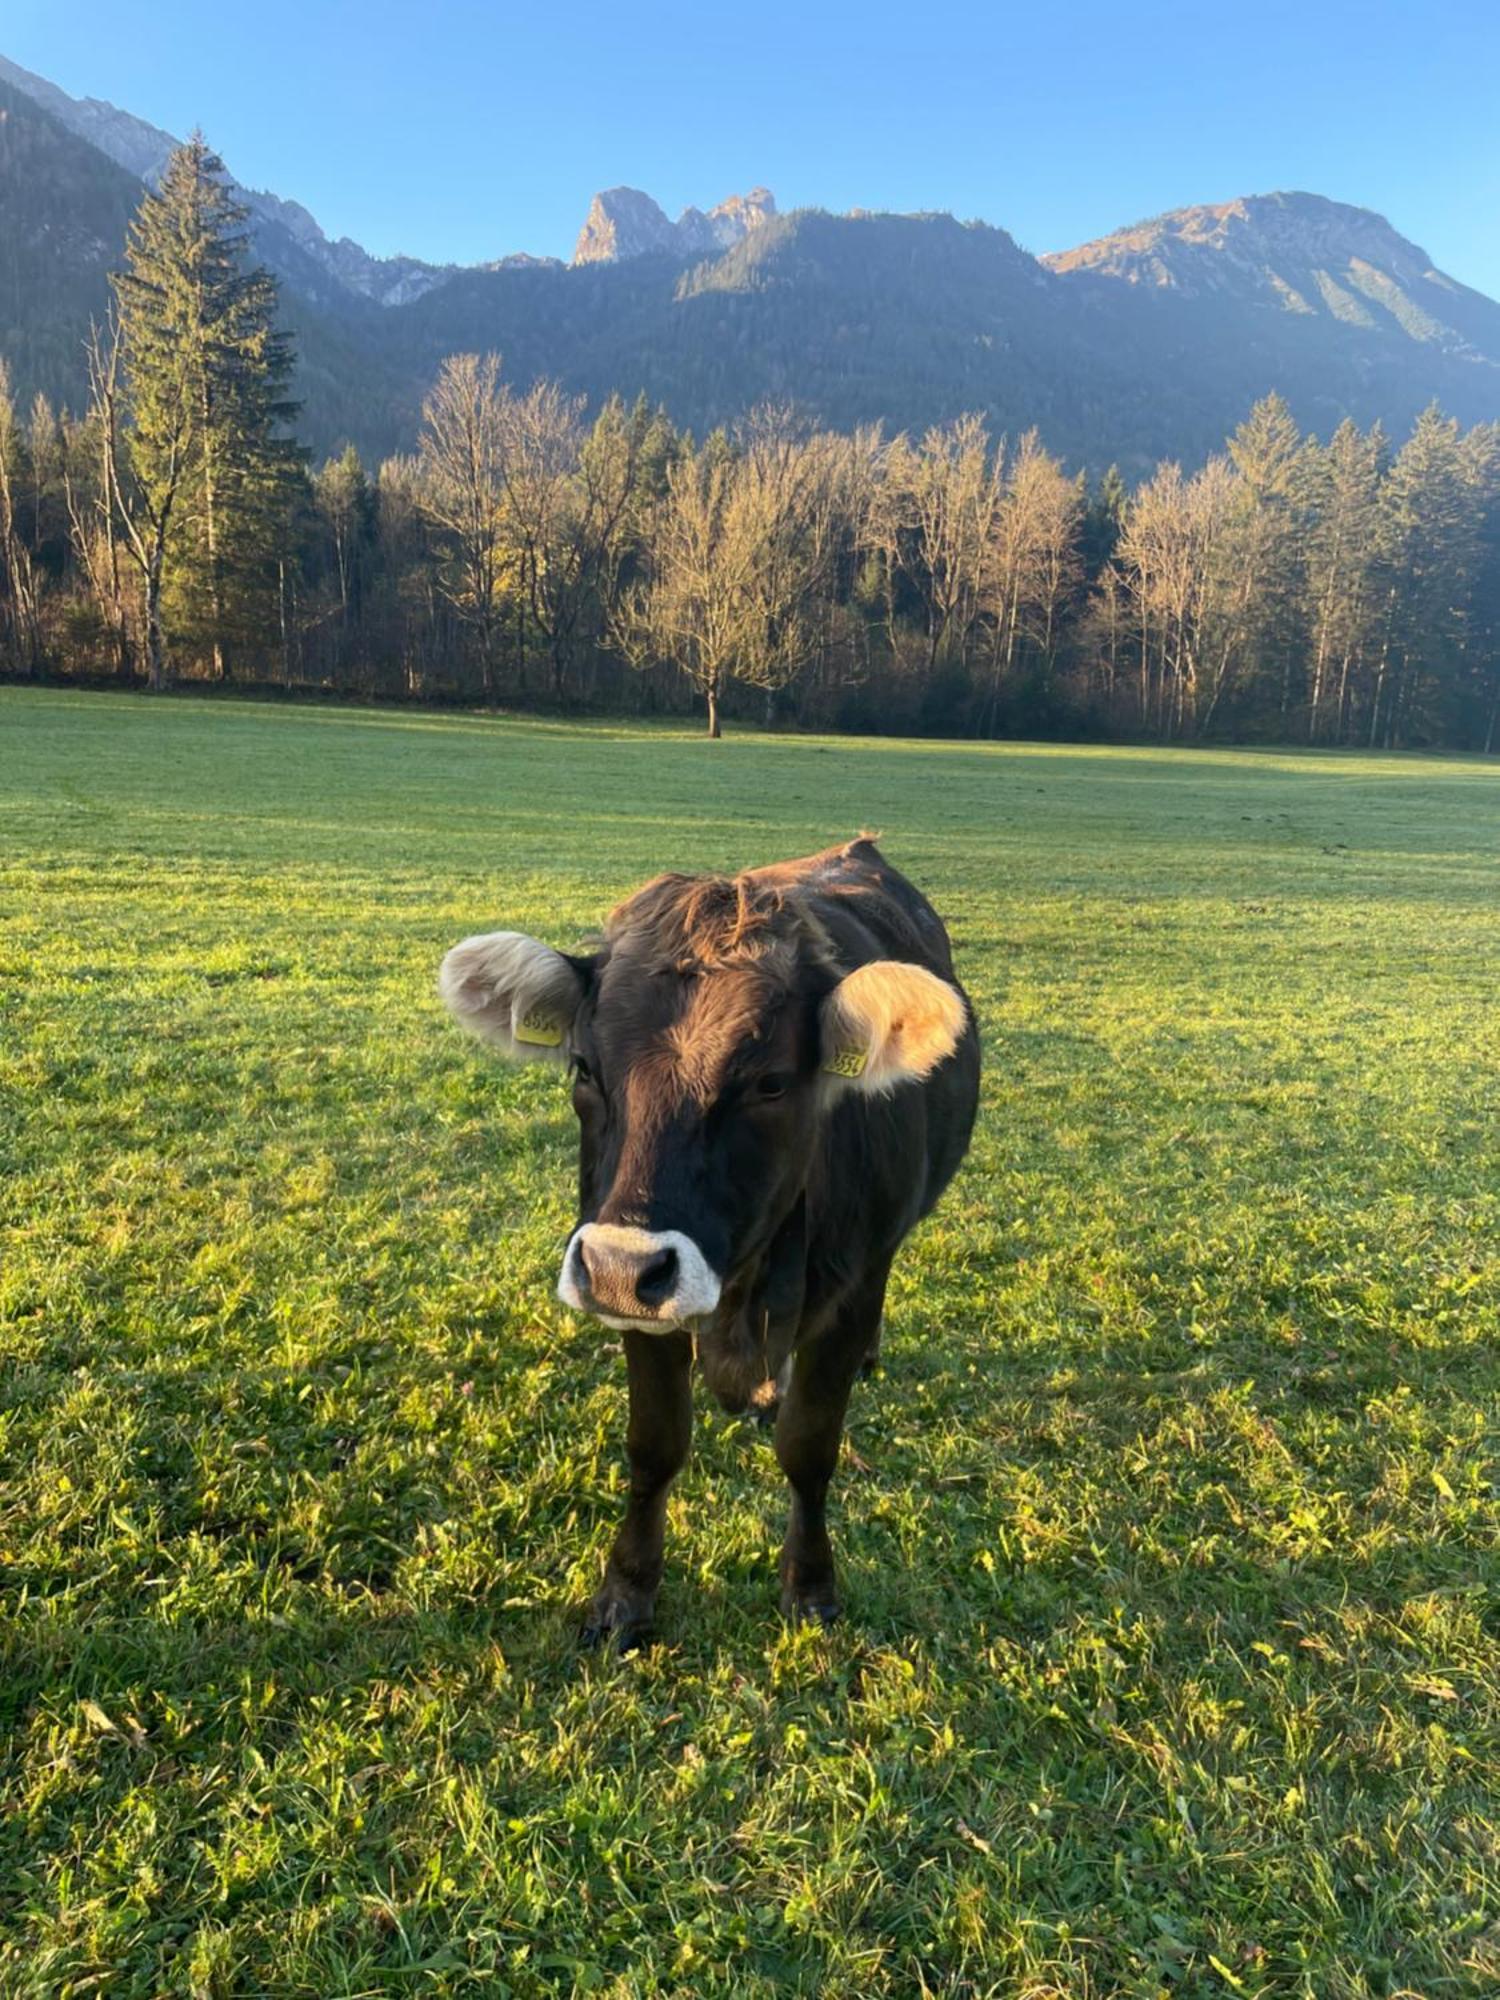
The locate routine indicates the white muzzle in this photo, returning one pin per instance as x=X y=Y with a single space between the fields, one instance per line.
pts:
x=627 y=1277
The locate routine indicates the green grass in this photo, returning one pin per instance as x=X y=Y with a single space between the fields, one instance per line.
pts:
x=1169 y=1534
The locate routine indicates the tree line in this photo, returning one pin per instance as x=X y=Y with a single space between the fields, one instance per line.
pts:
x=1292 y=589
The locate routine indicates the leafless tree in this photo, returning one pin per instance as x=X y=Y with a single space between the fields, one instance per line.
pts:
x=17 y=568
x=461 y=457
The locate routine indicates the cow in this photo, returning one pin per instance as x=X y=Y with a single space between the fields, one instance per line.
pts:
x=775 y=1075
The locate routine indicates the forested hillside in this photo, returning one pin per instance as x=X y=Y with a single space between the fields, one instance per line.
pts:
x=546 y=544
x=1152 y=343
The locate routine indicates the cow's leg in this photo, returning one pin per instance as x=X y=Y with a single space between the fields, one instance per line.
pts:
x=871 y=1363
x=661 y=1422
x=809 y=1428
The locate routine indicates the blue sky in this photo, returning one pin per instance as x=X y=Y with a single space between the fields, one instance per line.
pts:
x=462 y=130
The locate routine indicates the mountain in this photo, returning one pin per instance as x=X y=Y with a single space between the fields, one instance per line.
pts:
x=1324 y=300
x=64 y=211
x=286 y=237
x=622 y=222
x=913 y=320
x=1152 y=342
x=1302 y=254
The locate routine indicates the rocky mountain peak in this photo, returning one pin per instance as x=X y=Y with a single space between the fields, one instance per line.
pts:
x=1205 y=245
x=623 y=222
x=1294 y=253
x=734 y=219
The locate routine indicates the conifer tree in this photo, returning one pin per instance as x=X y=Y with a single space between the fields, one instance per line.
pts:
x=211 y=478
x=1340 y=496
x=1262 y=551
x=1429 y=537
x=1480 y=693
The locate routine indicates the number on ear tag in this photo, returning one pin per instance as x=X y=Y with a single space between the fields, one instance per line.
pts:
x=540 y=1029
x=847 y=1062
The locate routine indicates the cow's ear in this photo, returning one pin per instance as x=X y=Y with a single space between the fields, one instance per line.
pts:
x=511 y=990
x=889 y=1023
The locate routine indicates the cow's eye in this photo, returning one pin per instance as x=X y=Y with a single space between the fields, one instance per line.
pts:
x=768 y=1088
x=581 y=1071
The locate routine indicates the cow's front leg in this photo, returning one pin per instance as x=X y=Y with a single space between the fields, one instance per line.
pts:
x=661 y=1422
x=809 y=1428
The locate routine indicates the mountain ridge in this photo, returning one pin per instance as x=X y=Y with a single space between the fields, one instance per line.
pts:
x=626 y=222
x=1317 y=255
x=1150 y=342
x=142 y=149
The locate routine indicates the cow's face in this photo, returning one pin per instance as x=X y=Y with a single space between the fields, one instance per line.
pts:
x=698 y=1090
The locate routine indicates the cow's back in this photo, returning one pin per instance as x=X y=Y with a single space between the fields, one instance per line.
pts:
x=884 y=1159
x=867 y=907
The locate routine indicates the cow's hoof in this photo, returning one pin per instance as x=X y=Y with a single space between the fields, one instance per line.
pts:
x=618 y=1617
x=810 y=1607
x=623 y=1639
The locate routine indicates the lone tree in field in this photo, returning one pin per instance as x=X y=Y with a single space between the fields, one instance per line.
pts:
x=206 y=490
x=740 y=555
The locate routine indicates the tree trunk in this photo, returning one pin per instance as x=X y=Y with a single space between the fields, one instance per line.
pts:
x=155 y=648
x=713 y=710
x=286 y=642
x=1340 y=720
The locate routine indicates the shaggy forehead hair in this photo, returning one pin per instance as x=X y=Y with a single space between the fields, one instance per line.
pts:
x=733 y=949
x=714 y=923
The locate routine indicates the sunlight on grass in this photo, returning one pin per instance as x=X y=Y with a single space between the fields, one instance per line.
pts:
x=1171 y=1659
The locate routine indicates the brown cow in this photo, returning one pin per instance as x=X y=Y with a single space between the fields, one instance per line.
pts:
x=775 y=1076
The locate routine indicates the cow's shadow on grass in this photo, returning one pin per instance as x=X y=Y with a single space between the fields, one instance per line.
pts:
x=953 y=1557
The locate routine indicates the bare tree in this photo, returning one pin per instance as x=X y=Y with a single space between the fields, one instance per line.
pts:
x=1031 y=559
x=1170 y=556
x=743 y=551
x=144 y=498
x=689 y=609
x=954 y=495
x=83 y=473
x=460 y=456
x=17 y=569
x=568 y=491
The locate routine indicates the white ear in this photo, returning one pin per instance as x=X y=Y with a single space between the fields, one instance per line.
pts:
x=889 y=1023
x=511 y=990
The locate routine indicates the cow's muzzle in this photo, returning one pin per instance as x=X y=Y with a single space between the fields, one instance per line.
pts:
x=637 y=1277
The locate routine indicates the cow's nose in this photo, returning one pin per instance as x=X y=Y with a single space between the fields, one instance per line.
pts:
x=626 y=1279
x=652 y=1276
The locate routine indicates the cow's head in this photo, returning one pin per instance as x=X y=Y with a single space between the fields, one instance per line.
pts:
x=706 y=1039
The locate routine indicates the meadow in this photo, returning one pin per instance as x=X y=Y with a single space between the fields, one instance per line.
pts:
x=1171 y=1662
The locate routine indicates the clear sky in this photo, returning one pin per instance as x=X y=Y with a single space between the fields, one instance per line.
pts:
x=463 y=129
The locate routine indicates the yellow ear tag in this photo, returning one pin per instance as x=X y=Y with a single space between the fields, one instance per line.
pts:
x=847 y=1062
x=540 y=1029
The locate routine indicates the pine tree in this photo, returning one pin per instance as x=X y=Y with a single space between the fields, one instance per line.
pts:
x=211 y=479
x=1103 y=519
x=1478 y=717
x=1430 y=551
x=1263 y=551
x=1340 y=493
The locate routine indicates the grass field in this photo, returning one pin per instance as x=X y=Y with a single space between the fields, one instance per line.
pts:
x=1172 y=1656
